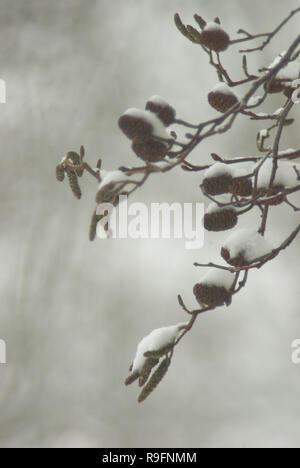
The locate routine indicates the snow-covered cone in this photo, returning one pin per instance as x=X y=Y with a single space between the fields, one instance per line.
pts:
x=285 y=177
x=110 y=186
x=155 y=379
x=244 y=246
x=284 y=78
x=214 y=288
x=217 y=179
x=214 y=37
x=60 y=172
x=162 y=109
x=222 y=98
x=134 y=124
x=150 y=150
x=73 y=182
x=220 y=218
x=139 y=125
x=151 y=347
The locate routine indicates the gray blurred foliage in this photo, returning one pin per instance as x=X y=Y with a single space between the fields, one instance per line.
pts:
x=73 y=311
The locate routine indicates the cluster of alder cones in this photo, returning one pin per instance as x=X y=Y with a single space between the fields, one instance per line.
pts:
x=152 y=141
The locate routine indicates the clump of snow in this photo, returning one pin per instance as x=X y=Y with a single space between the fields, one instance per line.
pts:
x=254 y=100
x=223 y=88
x=212 y=26
x=289 y=72
x=278 y=111
x=240 y=172
x=155 y=341
x=218 y=169
x=285 y=174
x=287 y=151
x=214 y=208
x=156 y=99
x=249 y=243
x=276 y=60
x=159 y=129
x=218 y=277
x=264 y=133
x=111 y=177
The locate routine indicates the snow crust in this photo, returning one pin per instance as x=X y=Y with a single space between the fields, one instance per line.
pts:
x=247 y=242
x=212 y=26
x=156 y=99
x=218 y=169
x=285 y=174
x=219 y=278
x=289 y=72
x=214 y=208
x=108 y=177
x=224 y=89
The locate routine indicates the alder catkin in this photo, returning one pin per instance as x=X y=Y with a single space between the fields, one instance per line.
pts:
x=146 y=369
x=60 y=173
x=76 y=160
x=73 y=182
x=155 y=379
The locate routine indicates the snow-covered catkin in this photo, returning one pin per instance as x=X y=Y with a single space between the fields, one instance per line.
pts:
x=159 y=352
x=73 y=182
x=155 y=379
x=60 y=173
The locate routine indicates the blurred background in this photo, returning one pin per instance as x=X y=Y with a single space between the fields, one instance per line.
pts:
x=72 y=311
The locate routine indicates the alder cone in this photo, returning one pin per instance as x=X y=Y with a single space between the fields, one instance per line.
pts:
x=215 y=39
x=134 y=127
x=222 y=102
x=220 y=220
x=211 y=295
x=150 y=150
x=165 y=113
x=241 y=186
x=216 y=185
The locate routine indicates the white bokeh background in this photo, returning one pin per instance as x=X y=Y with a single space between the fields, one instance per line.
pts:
x=73 y=311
